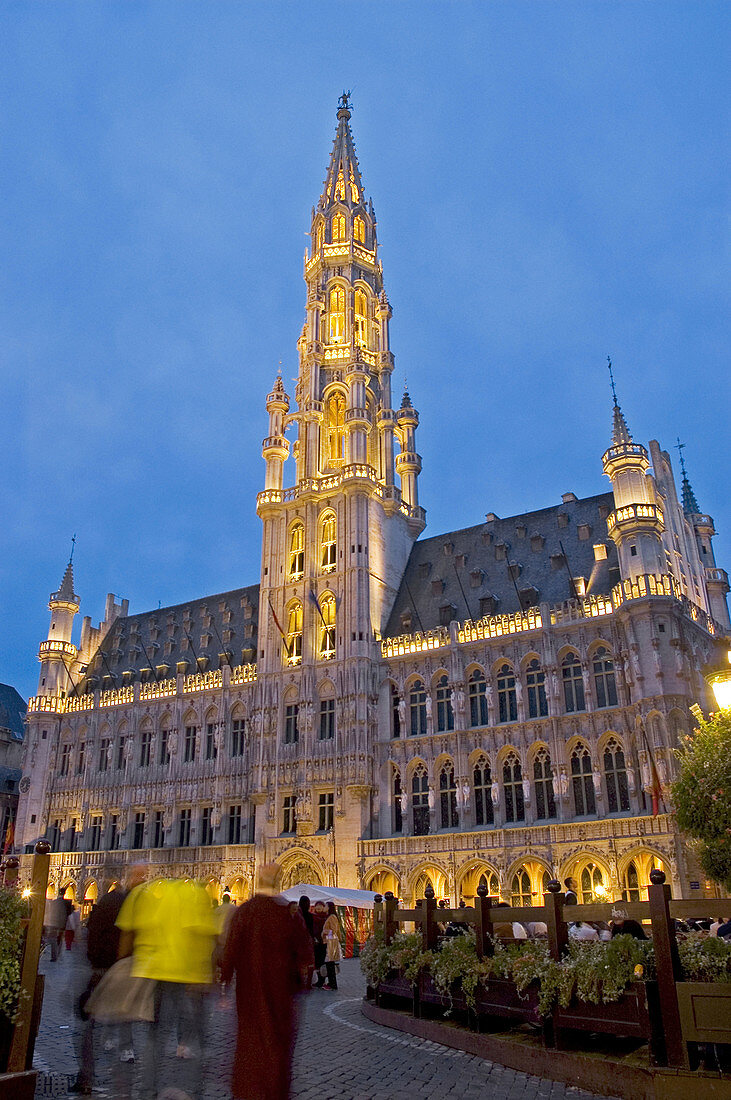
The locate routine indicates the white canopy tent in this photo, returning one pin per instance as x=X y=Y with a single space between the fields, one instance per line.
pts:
x=359 y=899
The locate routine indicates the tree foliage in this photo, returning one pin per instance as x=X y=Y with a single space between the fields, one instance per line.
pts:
x=702 y=794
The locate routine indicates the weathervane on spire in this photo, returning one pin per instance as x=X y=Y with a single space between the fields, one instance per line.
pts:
x=344 y=101
x=679 y=447
x=611 y=379
x=73 y=547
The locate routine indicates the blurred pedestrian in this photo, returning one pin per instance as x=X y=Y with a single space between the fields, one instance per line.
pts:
x=319 y=916
x=73 y=922
x=54 y=922
x=622 y=926
x=270 y=954
x=331 y=939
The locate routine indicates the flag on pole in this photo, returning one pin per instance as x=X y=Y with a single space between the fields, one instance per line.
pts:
x=9 y=838
x=314 y=599
x=279 y=627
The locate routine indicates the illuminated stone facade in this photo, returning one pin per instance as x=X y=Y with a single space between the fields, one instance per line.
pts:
x=380 y=710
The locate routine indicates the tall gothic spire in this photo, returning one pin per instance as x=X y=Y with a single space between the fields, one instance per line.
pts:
x=690 y=504
x=620 y=431
x=66 y=591
x=342 y=182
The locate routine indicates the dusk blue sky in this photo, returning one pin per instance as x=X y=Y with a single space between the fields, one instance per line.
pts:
x=550 y=186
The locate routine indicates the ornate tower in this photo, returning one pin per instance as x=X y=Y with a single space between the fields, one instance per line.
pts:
x=637 y=523
x=716 y=579
x=57 y=654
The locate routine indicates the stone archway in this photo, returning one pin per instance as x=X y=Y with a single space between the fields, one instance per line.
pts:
x=300 y=871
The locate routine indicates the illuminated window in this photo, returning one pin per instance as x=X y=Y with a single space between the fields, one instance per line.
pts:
x=573 y=683
x=319 y=237
x=359 y=229
x=294 y=633
x=536 y=680
x=354 y=192
x=543 y=782
x=327 y=629
x=328 y=544
x=492 y=887
x=297 y=552
x=445 y=714
x=592 y=880
x=506 y=696
x=417 y=708
x=513 y=789
x=520 y=891
x=325 y=811
x=482 y=783
x=335 y=429
x=396 y=793
x=340 y=186
x=448 y=797
x=339 y=226
x=420 y=800
x=337 y=315
x=581 y=777
x=615 y=775
x=478 y=699
x=604 y=682
x=631 y=885
x=361 y=319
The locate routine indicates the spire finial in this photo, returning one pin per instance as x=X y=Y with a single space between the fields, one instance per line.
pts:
x=611 y=379
x=344 y=101
x=679 y=448
x=73 y=546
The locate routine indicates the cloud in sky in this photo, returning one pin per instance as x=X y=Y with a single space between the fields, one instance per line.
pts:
x=549 y=186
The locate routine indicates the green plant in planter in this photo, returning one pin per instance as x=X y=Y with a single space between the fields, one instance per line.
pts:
x=457 y=961
x=409 y=956
x=705 y=958
x=602 y=971
x=11 y=946
x=702 y=793
x=375 y=961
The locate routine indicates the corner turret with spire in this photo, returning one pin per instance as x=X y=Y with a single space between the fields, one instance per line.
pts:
x=57 y=653
x=716 y=579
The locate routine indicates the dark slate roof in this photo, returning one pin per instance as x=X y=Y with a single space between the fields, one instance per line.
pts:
x=475 y=572
x=12 y=711
x=197 y=631
x=9 y=779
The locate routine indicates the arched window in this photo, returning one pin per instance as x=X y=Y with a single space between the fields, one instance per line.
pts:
x=584 y=801
x=328 y=542
x=396 y=793
x=513 y=788
x=339 y=228
x=420 y=800
x=335 y=429
x=506 y=697
x=604 y=682
x=395 y=714
x=482 y=786
x=319 y=238
x=536 y=680
x=296 y=552
x=337 y=315
x=340 y=187
x=491 y=885
x=478 y=699
x=417 y=708
x=573 y=684
x=327 y=628
x=359 y=228
x=361 y=319
x=354 y=192
x=591 y=880
x=631 y=884
x=543 y=782
x=615 y=775
x=445 y=714
x=294 y=633
x=520 y=891
x=448 y=797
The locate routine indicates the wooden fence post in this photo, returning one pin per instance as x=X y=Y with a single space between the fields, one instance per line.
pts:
x=429 y=930
x=558 y=932
x=390 y=926
x=29 y=974
x=667 y=963
x=483 y=925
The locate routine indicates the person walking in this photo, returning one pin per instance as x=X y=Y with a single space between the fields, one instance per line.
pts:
x=73 y=922
x=54 y=923
x=319 y=916
x=304 y=906
x=270 y=954
x=331 y=939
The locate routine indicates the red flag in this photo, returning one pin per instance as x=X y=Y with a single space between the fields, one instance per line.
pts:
x=279 y=627
x=9 y=838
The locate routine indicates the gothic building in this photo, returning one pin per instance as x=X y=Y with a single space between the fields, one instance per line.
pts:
x=498 y=703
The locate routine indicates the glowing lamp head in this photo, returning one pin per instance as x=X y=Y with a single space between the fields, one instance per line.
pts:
x=720 y=683
x=26 y=892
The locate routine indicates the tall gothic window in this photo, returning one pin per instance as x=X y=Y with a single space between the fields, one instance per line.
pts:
x=337 y=314
x=573 y=684
x=604 y=682
x=420 y=800
x=396 y=793
x=395 y=715
x=491 y=885
x=448 y=797
x=145 y=748
x=615 y=776
x=591 y=879
x=361 y=319
x=631 y=884
x=335 y=429
x=359 y=228
x=536 y=680
x=296 y=552
x=289 y=814
x=506 y=695
x=328 y=542
x=513 y=789
x=417 y=708
x=478 y=699
x=445 y=714
x=327 y=628
x=543 y=783
x=482 y=787
x=339 y=228
x=327 y=719
x=340 y=187
x=520 y=891
x=584 y=800
x=294 y=633
x=291 y=724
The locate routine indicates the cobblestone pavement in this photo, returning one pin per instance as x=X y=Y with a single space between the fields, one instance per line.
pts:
x=340 y=1054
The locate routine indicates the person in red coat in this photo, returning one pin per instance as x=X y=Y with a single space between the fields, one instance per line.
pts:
x=271 y=954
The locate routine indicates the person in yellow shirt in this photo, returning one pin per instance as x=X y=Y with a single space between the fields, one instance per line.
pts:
x=171 y=927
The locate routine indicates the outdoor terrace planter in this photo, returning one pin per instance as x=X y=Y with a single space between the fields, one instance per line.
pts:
x=428 y=994
x=395 y=986
x=500 y=997
x=705 y=1011
x=630 y=1016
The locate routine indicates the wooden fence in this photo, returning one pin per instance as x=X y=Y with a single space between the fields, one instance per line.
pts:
x=686 y=1011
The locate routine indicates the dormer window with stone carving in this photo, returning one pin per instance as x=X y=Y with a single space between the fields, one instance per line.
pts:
x=328 y=542
x=340 y=187
x=337 y=315
x=335 y=430
x=339 y=228
x=297 y=552
x=359 y=229
x=327 y=629
x=294 y=633
x=361 y=319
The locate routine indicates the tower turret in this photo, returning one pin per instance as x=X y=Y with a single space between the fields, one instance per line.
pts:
x=275 y=447
x=637 y=522
x=716 y=579
x=408 y=463
x=57 y=654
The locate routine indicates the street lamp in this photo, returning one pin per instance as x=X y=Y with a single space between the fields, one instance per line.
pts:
x=720 y=682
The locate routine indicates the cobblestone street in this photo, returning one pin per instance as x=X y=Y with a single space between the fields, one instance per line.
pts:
x=339 y=1054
